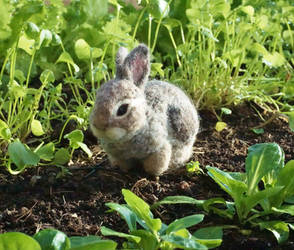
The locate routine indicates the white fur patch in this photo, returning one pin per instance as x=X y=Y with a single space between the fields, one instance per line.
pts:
x=115 y=133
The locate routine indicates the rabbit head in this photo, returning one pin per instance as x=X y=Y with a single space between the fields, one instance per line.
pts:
x=120 y=107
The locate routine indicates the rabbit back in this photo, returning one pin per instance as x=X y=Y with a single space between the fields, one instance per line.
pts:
x=172 y=106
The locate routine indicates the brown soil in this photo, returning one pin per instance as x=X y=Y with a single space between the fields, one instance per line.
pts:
x=75 y=204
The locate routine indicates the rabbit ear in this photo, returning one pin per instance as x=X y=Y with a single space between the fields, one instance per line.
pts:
x=119 y=60
x=136 y=66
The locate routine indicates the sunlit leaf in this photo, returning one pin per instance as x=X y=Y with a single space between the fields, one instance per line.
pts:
x=37 y=128
x=52 y=239
x=18 y=241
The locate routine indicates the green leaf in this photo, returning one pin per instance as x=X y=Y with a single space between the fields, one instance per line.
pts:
x=125 y=213
x=46 y=152
x=109 y=232
x=184 y=222
x=227 y=212
x=62 y=156
x=219 y=126
x=288 y=209
x=263 y=161
x=178 y=200
x=209 y=236
x=291 y=119
x=158 y=8
x=278 y=228
x=157 y=68
x=47 y=76
x=32 y=30
x=52 y=239
x=91 y=243
x=233 y=187
x=5 y=132
x=258 y=131
x=274 y=59
x=18 y=241
x=45 y=38
x=183 y=243
x=37 y=128
x=249 y=10
x=21 y=155
x=226 y=111
x=142 y=210
x=26 y=44
x=66 y=58
x=148 y=240
x=85 y=148
x=252 y=200
x=285 y=179
x=83 y=50
x=56 y=40
x=74 y=138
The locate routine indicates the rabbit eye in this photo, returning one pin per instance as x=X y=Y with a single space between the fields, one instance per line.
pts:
x=122 y=109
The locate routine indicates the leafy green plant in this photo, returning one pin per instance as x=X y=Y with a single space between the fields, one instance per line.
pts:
x=153 y=234
x=266 y=188
x=52 y=239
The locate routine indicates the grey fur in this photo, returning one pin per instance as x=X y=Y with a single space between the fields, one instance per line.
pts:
x=160 y=126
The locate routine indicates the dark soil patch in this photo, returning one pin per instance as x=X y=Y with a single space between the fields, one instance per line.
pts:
x=75 y=205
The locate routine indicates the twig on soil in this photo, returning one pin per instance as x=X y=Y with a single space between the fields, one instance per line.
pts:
x=95 y=168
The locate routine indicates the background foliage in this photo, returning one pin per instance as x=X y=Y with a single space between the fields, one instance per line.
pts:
x=55 y=54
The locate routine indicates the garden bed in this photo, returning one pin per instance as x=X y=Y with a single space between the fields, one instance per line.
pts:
x=75 y=203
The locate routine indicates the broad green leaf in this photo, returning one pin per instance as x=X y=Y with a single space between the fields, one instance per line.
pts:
x=184 y=222
x=85 y=148
x=285 y=179
x=21 y=155
x=5 y=132
x=252 y=200
x=26 y=44
x=45 y=38
x=66 y=58
x=56 y=40
x=46 y=152
x=274 y=59
x=16 y=90
x=18 y=241
x=32 y=30
x=249 y=10
x=263 y=161
x=183 y=243
x=142 y=210
x=125 y=213
x=148 y=240
x=158 y=8
x=279 y=228
x=61 y=157
x=209 y=236
x=109 y=232
x=37 y=128
x=83 y=50
x=74 y=137
x=52 y=239
x=19 y=75
x=233 y=187
x=291 y=119
x=288 y=209
x=178 y=200
x=91 y=243
x=47 y=76
x=227 y=212
x=219 y=126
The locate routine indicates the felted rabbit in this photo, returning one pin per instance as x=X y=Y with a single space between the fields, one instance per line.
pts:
x=152 y=124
